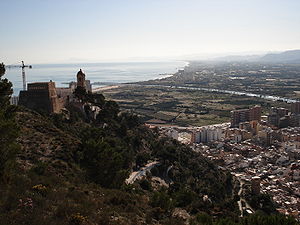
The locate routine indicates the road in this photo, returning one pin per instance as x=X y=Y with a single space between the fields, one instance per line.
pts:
x=242 y=203
x=140 y=173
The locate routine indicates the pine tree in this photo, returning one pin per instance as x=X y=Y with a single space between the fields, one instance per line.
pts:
x=8 y=128
x=5 y=88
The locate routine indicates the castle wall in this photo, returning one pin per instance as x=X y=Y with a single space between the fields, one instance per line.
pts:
x=38 y=101
x=41 y=97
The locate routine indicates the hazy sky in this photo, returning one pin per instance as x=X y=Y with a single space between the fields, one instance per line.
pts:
x=49 y=31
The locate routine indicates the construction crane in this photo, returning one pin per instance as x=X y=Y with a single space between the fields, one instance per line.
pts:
x=23 y=66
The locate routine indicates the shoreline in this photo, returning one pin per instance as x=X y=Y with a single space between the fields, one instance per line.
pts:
x=108 y=87
x=133 y=74
x=105 y=88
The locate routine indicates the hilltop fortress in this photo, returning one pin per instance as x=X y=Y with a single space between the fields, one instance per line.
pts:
x=44 y=96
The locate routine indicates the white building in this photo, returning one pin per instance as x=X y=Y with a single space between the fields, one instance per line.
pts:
x=207 y=134
x=172 y=133
x=14 y=100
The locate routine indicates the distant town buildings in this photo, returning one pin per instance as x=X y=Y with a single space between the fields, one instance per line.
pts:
x=282 y=117
x=295 y=107
x=245 y=115
x=208 y=133
x=263 y=152
x=295 y=114
x=278 y=117
x=189 y=135
x=270 y=169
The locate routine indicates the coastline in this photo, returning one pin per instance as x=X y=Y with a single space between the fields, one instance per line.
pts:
x=105 y=88
x=166 y=75
x=114 y=73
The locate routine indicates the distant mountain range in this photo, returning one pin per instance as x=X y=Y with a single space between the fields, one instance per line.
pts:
x=236 y=58
x=291 y=56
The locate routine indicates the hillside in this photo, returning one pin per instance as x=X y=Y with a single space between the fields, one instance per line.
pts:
x=40 y=140
x=71 y=170
x=50 y=185
x=292 y=56
x=54 y=185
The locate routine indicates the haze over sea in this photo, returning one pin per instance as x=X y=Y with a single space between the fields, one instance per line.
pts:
x=95 y=72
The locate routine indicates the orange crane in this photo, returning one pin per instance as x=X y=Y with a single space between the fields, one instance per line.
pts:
x=23 y=66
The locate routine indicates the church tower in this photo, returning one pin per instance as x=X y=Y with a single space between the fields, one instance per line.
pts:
x=80 y=79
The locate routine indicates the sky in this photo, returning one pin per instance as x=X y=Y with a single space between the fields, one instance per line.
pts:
x=68 y=31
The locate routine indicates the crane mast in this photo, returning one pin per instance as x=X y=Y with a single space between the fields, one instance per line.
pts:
x=23 y=76
x=23 y=66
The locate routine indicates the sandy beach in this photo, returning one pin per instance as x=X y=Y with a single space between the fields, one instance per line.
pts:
x=105 y=88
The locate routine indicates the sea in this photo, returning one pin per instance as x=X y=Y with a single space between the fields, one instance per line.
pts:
x=103 y=73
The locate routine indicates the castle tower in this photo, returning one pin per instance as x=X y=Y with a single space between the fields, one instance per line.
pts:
x=81 y=79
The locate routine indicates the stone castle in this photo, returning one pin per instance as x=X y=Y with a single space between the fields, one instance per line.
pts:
x=44 y=96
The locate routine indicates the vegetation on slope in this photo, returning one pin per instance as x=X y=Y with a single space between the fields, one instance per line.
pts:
x=72 y=170
x=8 y=129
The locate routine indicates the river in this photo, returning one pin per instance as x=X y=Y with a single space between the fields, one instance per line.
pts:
x=267 y=97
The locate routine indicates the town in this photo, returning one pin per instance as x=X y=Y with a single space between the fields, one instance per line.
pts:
x=255 y=148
